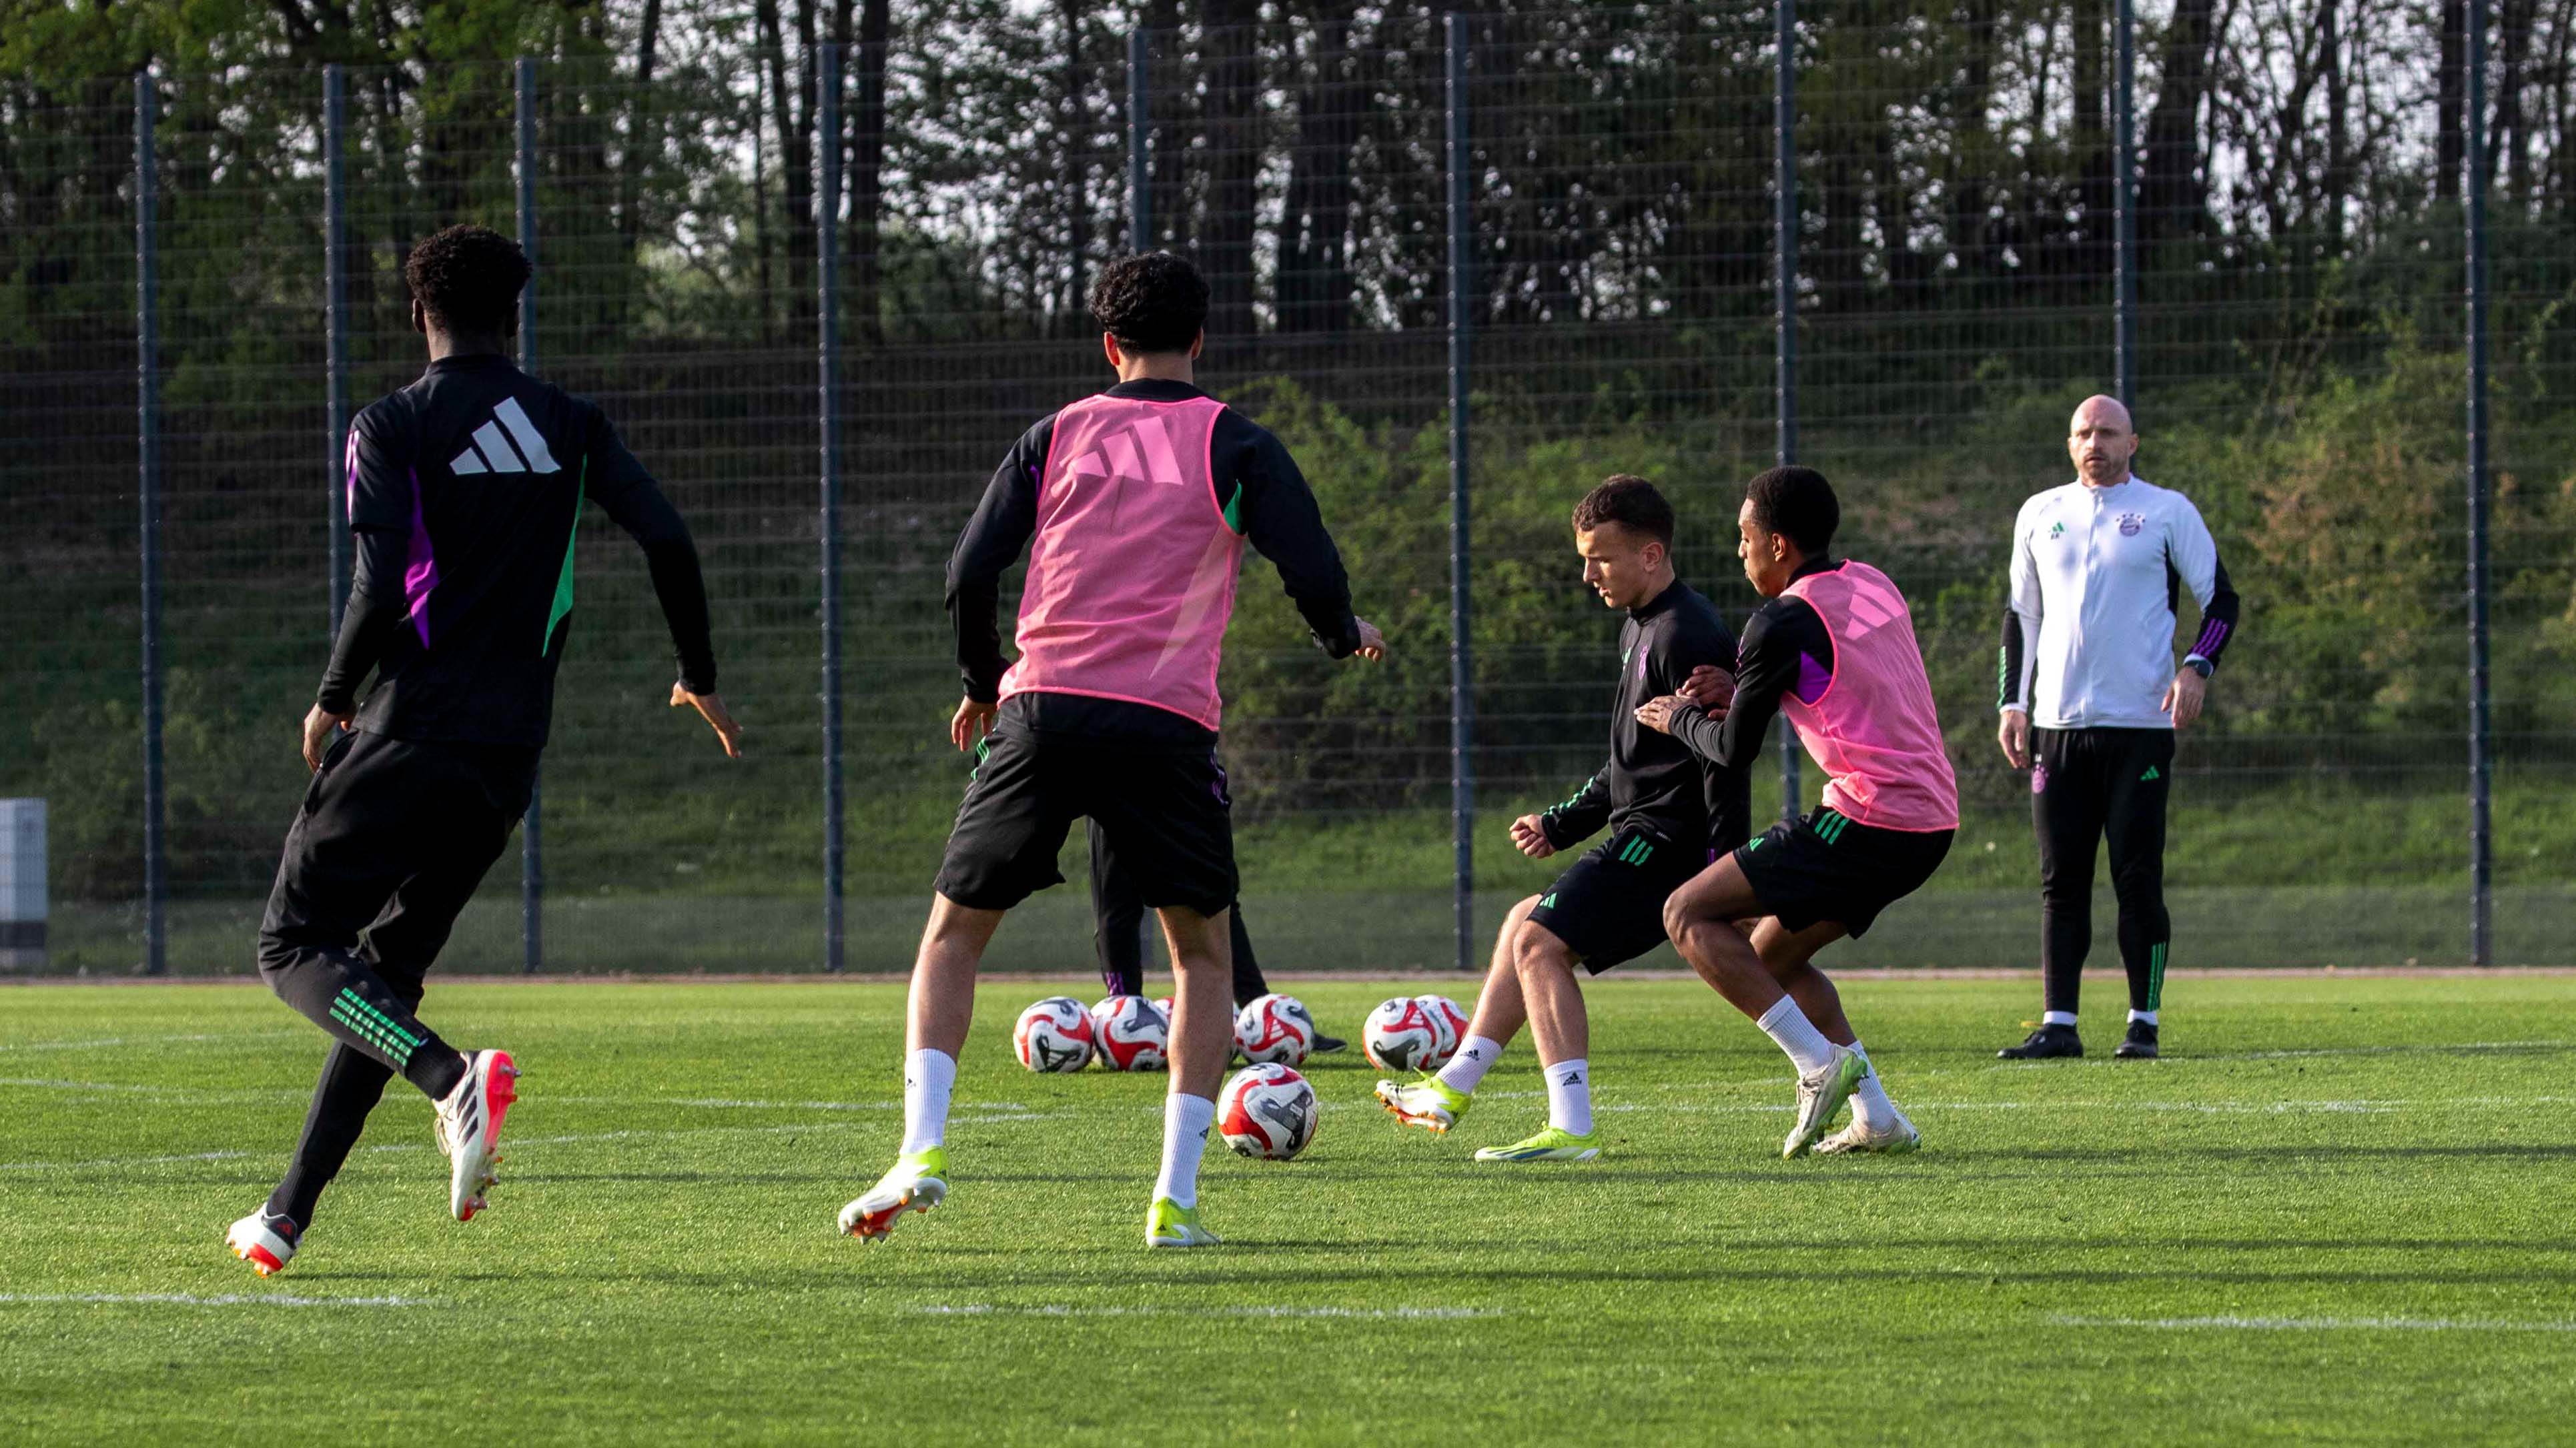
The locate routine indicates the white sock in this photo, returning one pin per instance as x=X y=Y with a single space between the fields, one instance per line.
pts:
x=2147 y=1016
x=927 y=1077
x=2057 y=1018
x=1186 y=1120
x=1467 y=1069
x=1869 y=1098
x=1569 y=1096
x=1789 y=1026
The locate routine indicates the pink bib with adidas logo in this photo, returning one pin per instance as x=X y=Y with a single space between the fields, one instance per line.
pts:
x=1871 y=725
x=1131 y=578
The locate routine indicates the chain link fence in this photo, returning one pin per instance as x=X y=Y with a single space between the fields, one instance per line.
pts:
x=2297 y=259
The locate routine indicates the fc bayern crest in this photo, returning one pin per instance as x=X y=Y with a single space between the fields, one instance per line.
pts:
x=2131 y=523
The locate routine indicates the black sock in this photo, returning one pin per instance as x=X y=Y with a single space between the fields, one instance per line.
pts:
x=351 y=1084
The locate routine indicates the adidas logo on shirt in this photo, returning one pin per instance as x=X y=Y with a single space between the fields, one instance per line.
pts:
x=1142 y=452
x=509 y=443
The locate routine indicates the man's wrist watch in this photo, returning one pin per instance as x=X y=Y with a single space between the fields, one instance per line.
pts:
x=2202 y=667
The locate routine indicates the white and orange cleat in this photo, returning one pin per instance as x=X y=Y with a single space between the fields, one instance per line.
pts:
x=918 y=1182
x=469 y=1128
x=265 y=1240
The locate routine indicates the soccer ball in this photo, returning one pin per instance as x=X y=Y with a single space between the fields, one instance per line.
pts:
x=1131 y=1033
x=1453 y=1029
x=1274 y=1029
x=1403 y=1035
x=1054 y=1035
x=1266 y=1111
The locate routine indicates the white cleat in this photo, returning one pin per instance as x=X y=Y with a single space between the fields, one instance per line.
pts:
x=1895 y=1140
x=918 y=1182
x=469 y=1128
x=1821 y=1093
x=267 y=1243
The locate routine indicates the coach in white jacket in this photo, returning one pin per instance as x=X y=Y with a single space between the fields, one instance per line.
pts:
x=2091 y=700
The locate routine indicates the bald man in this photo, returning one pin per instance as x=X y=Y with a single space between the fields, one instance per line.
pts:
x=2092 y=701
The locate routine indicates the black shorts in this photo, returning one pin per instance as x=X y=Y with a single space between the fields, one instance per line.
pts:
x=1610 y=906
x=1163 y=807
x=1830 y=867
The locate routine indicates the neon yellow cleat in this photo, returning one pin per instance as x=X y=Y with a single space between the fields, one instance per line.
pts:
x=1170 y=1225
x=1821 y=1093
x=919 y=1181
x=1553 y=1144
x=1429 y=1103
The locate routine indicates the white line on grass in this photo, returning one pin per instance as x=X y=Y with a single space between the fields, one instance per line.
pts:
x=989 y=1309
x=103 y=1042
x=2316 y=1324
x=225 y=1299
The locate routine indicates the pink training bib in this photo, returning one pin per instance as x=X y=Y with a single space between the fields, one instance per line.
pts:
x=1131 y=578
x=1872 y=726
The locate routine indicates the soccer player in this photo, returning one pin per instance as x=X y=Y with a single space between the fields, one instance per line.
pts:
x=1833 y=649
x=2092 y=702
x=1140 y=500
x=1667 y=815
x=463 y=491
x=1118 y=933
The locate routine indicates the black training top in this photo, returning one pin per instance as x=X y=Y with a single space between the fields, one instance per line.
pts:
x=1781 y=632
x=1652 y=780
x=1275 y=507
x=464 y=489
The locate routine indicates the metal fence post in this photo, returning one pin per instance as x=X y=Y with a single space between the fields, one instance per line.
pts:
x=1462 y=703
x=1140 y=196
x=532 y=833
x=2481 y=725
x=147 y=422
x=2124 y=202
x=827 y=253
x=335 y=271
x=1784 y=246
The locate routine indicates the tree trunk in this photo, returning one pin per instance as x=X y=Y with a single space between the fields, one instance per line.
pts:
x=867 y=169
x=2173 y=191
x=1314 y=267
x=1174 y=126
x=792 y=111
x=2092 y=139
x=1075 y=154
x=1234 y=161
x=643 y=132
x=2450 y=146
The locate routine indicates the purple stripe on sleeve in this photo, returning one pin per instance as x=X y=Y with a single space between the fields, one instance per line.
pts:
x=2212 y=634
x=422 y=574
x=1812 y=679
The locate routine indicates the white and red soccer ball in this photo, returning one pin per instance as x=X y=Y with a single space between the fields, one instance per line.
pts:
x=1054 y=1035
x=1274 y=1030
x=1131 y=1033
x=1445 y=1011
x=1267 y=1111
x=1407 y=1034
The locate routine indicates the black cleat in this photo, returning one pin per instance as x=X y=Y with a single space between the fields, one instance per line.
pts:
x=2139 y=1044
x=1326 y=1045
x=2045 y=1044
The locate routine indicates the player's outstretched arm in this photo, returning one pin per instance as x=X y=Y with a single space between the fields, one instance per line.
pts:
x=636 y=503
x=711 y=707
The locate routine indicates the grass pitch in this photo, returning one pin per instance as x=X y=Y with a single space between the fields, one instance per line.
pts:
x=2340 y=1211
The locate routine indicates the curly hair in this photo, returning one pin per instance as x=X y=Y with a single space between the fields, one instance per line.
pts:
x=1156 y=302
x=468 y=277
x=1799 y=503
x=1629 y=501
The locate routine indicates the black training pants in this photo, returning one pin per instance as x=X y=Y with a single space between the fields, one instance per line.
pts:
x=393 y=837
x=2088 y=784
x=1118 y=924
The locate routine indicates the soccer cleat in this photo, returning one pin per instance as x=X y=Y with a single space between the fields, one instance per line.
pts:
x=1554 y=1144
x=1326 y=1045
x=1429 y=1103
x=2139 y=1044
x=919 y=1181
x=1821 y=1093
x=265 y=1240
x=1171 y=1225
x=1896 y=1140
x=469 y=1128
x=2045 y=1044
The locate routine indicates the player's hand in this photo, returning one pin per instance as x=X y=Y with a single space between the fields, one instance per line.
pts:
x=1657 y=714
x=974 y=720
x=711 y=707
x=320 y=727
x=2014 y=735
x=1372 y=643
x=1711 y=688
x=1530 y=838
x=2181 y=702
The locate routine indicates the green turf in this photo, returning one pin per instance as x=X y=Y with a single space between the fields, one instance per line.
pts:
x=2338 y=1213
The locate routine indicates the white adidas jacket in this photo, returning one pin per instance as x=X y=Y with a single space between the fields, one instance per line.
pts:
x=2096 y=573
